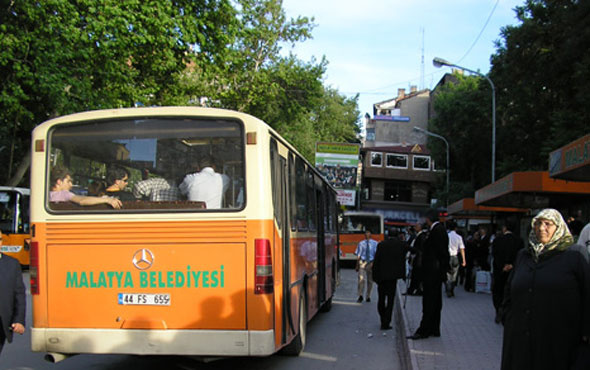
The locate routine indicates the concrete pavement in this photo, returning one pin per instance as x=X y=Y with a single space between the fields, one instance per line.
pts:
x=470 y=339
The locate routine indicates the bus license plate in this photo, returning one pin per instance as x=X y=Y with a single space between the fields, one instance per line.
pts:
x=144 y=299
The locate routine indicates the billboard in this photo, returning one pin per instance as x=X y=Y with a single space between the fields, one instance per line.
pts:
x=338 y=163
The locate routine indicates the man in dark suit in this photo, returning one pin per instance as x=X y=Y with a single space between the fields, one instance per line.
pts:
x=483 y=249
x=415 y=287
x=388 y=266
x=435 y=265
x=504 y=249
x=12 y=298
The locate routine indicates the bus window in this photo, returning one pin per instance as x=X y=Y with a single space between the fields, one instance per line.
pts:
x=301 y=195
x=14 y=222
x=352 y=230
x=158 y=154
x=353 y=224
x=8 y=208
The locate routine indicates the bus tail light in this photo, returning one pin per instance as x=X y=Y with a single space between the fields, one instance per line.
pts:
x=34 y=267
x=263 y=264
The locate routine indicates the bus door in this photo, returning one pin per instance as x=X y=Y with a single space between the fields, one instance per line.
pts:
x=321 y=245
x=281 y=212
x=287 y=321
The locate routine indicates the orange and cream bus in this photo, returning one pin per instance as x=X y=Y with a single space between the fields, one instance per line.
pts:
x=353 y=225
x=176 y=274
x=14 y=223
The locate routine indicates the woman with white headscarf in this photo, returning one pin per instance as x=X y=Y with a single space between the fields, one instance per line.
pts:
x=547 y=301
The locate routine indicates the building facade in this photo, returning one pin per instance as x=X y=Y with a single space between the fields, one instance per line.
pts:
x=398 y=173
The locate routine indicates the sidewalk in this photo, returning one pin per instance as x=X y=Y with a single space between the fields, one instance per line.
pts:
x=470 y=339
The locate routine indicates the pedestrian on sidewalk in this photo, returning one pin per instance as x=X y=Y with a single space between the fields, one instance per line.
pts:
x=12 y=298
x=471 y=245
x=417 y=245
x=504 y=249
x=547 y=301
x=365 y=253
x=388 y=266
x=483 y=249
x=456 y=247
x=435 y=263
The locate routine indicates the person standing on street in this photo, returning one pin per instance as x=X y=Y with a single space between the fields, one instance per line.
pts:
x=546 y=308
x=483 y=251
x=456 y=246
x=12 y=298
x=365 y=254
x=388 y=266
x=504 y=251
x=435 y=263
x=417 y=245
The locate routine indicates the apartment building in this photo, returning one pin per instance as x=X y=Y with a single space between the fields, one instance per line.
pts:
x=398 y=173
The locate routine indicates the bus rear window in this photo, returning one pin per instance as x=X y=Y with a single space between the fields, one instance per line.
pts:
x=357 y=224
x=143 y=164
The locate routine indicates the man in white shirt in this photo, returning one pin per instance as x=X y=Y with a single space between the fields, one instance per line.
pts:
x=365 y=254
x=456 y=246
x=205 y=186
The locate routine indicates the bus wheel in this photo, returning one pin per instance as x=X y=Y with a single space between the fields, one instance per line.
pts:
x=298 y=343
x=327 y=306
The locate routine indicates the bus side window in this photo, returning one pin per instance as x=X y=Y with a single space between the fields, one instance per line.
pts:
x=311 y=201
x=301 y=195
x=292 y=192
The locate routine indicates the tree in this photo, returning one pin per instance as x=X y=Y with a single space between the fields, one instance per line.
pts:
x=63 y=56
x=542 y=71
x=463 y=118
x=59 y=57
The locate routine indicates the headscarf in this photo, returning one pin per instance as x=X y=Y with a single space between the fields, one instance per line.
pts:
x=561 y=239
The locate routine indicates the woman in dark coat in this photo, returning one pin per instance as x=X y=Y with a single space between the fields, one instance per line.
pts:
x=547 y=300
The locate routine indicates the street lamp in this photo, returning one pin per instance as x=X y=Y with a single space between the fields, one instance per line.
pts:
x=439 y=62
x=416 y=128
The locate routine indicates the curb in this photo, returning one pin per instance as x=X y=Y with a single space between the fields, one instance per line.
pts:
x=407 y=356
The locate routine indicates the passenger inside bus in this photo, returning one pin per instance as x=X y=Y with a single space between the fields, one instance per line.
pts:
x=207 y=185
x=117 y=180
x=61 y=184
x=97 y=188
x=155 y=188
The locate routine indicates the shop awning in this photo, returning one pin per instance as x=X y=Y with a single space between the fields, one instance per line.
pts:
x=533 y=189
x=571 y=162
x=466 y=207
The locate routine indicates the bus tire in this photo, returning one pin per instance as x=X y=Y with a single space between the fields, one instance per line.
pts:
x=327 y=306
x=298 y=343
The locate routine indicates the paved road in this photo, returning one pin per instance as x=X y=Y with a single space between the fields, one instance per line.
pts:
x=346 y=338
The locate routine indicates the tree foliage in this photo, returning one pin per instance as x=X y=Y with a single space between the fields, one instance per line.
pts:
x=541 y=71
x=463 y=117
x=64 y=56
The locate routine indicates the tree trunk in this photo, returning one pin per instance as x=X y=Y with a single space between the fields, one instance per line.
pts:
x=22 y=169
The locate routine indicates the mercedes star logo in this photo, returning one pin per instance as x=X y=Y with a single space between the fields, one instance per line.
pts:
x=143 y=259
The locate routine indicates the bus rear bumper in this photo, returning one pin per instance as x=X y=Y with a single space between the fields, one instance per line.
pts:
x=154 y=342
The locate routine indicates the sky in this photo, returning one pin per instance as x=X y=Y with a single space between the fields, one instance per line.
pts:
x=374 y=47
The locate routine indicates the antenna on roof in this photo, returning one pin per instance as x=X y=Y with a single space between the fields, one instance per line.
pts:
x=422 y=63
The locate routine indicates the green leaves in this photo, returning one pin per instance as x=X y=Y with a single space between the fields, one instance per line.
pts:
x=64 y=56
x=542 y=69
